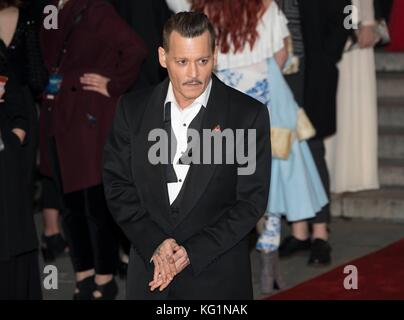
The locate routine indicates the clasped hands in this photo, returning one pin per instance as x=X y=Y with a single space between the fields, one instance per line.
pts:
x=169 y=260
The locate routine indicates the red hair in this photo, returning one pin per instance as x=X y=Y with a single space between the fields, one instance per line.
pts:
x=235 y=22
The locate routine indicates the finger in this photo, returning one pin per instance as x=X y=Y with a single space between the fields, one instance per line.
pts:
x=93 y=76
x=156 y=269
x=165 y=285
x=180 y=265
x=179 y=254
x=155 y=284
x=166 y=268
x=154 y=281
x=97 y=78
x=162 y=268
x=89 y=81
x=185 y=262
x=180 y=260
x=176 y=247
x=151 y=283
x=92 y=88
x=159 y=275
x=171 y=264
x=167 y=255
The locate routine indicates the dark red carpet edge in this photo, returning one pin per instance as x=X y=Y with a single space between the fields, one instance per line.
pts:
x=380 y=277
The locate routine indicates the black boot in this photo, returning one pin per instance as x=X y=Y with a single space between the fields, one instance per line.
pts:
x=108 y=291
x=320 y=254
x=291 y=246
x=85 y=289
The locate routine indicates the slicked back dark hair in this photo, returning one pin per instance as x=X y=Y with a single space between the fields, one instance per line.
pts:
x=188 y=25
x=10 y=3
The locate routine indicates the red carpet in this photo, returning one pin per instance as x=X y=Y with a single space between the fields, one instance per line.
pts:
x=380 y=276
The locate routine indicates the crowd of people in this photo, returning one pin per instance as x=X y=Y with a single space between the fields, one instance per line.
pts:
x=61 y=89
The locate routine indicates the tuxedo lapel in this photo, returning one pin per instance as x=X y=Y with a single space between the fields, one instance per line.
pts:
x=154 y=175
x=199 y=175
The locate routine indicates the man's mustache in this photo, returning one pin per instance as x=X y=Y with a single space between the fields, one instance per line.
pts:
x=193 y=82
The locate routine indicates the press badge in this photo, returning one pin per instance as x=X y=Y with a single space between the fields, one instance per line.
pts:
x=54 y=85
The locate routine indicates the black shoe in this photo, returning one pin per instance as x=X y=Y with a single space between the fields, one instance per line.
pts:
x=108 y=291
x=290 y=246
x=320 y=254
x=86 y=288
x=53 y=247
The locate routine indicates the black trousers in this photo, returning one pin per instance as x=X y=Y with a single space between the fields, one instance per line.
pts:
x=88 y=226
x=91 y=231
x=317 y=149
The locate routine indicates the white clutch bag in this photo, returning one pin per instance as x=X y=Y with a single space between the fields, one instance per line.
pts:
x=281 y=141
x=304 y=127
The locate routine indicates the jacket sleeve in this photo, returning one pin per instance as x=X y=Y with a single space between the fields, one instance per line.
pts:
x=336 y=34
x=130 y=50
x=252 y=197
x=37 y=73
x=15 y=107
x=121 y=193
x=323 y=27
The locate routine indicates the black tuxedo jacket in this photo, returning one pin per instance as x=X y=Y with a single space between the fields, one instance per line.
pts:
x=218 y=208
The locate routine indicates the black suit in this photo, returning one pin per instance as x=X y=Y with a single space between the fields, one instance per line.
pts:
x=218 y=207
x=324 y=40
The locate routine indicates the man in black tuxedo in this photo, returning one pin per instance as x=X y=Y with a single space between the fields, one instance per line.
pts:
x=188 y=223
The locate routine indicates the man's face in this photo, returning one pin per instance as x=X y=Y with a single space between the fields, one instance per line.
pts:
x=190 y=63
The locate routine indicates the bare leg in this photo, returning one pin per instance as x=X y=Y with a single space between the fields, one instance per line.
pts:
x=300 y=230
x=50 y=221
x=320 y=231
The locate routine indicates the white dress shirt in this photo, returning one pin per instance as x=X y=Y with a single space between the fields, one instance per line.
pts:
x=180 y=121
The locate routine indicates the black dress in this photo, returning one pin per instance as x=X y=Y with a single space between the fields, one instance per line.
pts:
x=19 y=273
x=25 y=62
x=21 y=62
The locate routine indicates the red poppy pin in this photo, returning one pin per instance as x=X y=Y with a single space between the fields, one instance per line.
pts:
x=217 y=129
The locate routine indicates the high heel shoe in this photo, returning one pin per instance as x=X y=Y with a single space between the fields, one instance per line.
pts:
x=53 y=247
x=85 y=289
x=107 y=291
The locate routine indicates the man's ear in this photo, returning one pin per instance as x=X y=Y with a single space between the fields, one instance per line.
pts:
x=162 y=57
x=215 y=53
